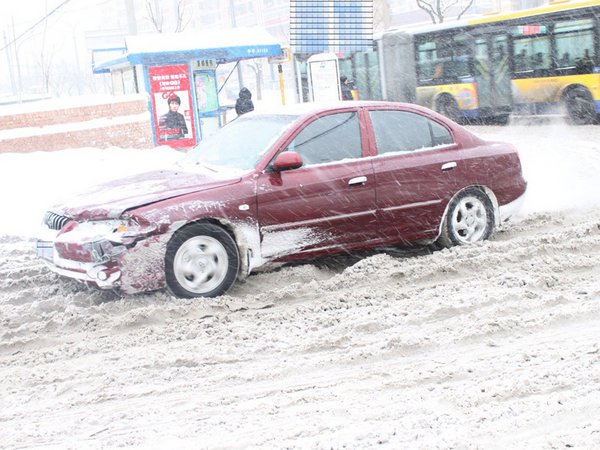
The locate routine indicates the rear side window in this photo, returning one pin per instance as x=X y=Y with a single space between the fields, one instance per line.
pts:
x=401 y=131
x=330 y=138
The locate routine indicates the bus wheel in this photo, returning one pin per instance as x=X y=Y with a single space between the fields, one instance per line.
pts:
x=580 y=106
x=502 y=119
x=447 y=106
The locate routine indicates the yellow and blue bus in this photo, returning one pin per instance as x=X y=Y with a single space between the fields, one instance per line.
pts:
x=531 y=62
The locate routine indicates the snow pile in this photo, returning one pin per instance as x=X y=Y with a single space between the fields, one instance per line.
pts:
x=560 y=162
x=32 y=182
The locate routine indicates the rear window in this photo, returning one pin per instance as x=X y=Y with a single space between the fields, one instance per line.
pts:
x=402 y=131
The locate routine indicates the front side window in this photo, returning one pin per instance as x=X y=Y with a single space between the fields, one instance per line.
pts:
x=330 y=138
x=401 y=131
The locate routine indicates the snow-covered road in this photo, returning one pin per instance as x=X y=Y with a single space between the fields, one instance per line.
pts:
x=490 y=346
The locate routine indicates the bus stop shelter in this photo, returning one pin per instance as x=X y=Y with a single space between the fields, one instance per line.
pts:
x=178 y=71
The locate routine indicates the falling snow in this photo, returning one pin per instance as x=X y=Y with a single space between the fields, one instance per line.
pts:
x=489 y=346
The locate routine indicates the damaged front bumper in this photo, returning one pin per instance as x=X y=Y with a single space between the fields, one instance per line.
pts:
x=102 y=271
x=126 y=263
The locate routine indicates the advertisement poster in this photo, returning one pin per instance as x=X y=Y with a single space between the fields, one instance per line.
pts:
x=172 y=105
x=206 y=91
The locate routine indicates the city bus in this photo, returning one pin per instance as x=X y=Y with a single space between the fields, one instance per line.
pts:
x=531 y=62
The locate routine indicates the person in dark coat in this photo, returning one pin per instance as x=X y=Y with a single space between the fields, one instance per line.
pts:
x=172 y=124
x=244 y=102
x=346 y=90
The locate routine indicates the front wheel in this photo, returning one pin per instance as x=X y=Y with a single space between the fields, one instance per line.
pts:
x=202 y=260
x=470 y=219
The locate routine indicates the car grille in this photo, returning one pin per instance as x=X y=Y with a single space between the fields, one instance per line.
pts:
x=55 y=221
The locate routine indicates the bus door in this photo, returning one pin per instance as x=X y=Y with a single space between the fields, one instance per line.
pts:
x=492 y=74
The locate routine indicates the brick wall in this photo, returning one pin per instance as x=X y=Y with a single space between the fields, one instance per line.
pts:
x=128 y=132
x=74 y=114
x=126 y=135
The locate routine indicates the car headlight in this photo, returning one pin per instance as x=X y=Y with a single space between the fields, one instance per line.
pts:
x=125 y=231
x=114 y=230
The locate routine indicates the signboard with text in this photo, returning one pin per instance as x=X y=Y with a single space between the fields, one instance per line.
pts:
x=172 y=105
x=323 y=77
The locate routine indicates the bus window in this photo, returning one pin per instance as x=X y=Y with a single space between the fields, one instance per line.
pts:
x=521 y=59
x=425 y=62
x=573 y=39
x=461 y=57
x=531 y=53
x=443 y=60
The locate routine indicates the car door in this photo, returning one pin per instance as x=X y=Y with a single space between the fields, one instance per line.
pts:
x=327 y=203
x=416 y=157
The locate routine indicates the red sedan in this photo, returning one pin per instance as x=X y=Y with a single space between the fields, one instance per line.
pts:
x=300 y=182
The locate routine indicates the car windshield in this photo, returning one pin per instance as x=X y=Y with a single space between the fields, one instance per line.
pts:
x=241 y=144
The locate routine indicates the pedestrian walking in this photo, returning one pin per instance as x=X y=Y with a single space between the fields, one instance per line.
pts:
x=244 y=103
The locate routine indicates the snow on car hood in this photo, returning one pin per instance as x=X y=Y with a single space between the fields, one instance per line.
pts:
x=111 y=199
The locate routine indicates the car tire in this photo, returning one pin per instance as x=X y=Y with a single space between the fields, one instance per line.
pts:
x=580 y=106
x=469 y=219
x=447 y=106
x=202 y=260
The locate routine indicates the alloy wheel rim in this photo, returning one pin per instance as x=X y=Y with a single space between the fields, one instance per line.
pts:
x=200 y=265
x=470 y=220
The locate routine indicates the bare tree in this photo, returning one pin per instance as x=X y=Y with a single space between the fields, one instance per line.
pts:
x=438 y=9
x=157 y=16
x=45 y=59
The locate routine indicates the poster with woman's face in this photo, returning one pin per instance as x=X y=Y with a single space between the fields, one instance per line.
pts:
x=172 y=105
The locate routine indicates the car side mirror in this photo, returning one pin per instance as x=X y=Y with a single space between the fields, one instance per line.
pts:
x=287 y=161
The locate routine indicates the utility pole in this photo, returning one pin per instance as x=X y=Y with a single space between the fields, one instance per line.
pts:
x=131 y=20
x=233 y=25
x=19 y=81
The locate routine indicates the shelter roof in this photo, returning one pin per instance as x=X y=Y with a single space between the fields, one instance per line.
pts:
x=223 y=46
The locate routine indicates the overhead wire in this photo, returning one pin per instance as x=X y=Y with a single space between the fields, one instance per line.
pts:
x=46 y=17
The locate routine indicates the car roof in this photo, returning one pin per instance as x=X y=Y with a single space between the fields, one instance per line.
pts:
x=301 y=109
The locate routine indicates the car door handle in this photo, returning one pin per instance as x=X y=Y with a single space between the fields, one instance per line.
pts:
x=357 y=180
x=448 y=166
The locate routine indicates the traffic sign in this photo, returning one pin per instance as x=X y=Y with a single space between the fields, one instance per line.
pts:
x=285 y=56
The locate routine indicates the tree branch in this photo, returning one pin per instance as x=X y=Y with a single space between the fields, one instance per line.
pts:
x=155 y=16
x=438 y=9
x=465 y=10
x=425 y=6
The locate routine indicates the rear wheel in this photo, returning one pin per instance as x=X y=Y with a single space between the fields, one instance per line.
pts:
x=470 y=219
x=580 y=106
x=202 y=260
x=447 y=106
x=501 y=119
